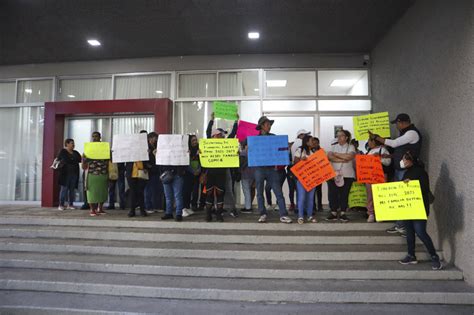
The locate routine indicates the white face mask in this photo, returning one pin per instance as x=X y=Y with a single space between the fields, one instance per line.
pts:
x=402 y=164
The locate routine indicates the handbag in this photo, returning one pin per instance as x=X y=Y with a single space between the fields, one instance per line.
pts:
x=143 y=174
x=167 y=177
x=339 y=179
x=113 y=171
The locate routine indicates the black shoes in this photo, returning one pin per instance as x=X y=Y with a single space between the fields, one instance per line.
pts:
x=179 y=218
x=167 y=217
x=131 y=213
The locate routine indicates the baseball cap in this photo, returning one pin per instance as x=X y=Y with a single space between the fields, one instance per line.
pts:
x=302 y=132
x=401 y=117
x=263 y=120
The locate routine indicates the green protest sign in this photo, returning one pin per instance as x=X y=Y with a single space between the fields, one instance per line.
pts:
x=225 y=110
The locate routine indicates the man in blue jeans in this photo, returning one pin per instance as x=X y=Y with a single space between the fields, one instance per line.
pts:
x=271 y=174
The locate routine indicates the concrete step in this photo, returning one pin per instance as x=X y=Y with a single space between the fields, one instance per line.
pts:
x=290 y=252
x=264 y=290
x=210 y=236
x=229 y=268
x=46 y=303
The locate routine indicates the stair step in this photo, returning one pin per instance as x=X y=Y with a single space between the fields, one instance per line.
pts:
x=269 y=290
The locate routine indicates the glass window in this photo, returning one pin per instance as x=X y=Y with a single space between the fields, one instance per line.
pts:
x=192 y=118
x=290 y=83
x=243 y=83
x=289 y=105
x=143 y=86
x=85 y=89
x=7 y=92
x=343 y=82
x=197 y=85
x=288 y=125
x=250 y=111
x=21 y=153
x=344 y=105
x=130 y=125
x=34 y=91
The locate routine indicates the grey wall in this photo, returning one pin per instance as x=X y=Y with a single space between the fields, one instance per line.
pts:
x=424 y=67
x=184 y=63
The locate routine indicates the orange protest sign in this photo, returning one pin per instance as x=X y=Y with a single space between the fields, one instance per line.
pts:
x=369 y=169
x=314 y=171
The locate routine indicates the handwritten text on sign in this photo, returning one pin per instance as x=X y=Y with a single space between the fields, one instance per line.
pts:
x=398 y=201
x=268 y=150
x=369 y=169
x=218 y=153
x=97 y=150
x=225 y=110
x=313 y=171
x=172 y=150
x=377 y=123
x=245 y=130
x=358 y=195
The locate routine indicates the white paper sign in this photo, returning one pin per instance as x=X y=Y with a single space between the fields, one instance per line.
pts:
x=172 y=150
x=130 y=148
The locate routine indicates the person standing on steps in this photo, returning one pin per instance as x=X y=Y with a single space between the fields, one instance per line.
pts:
x=68 y=174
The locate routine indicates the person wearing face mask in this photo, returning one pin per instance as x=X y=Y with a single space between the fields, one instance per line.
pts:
x=414 y=170
x=410 y=139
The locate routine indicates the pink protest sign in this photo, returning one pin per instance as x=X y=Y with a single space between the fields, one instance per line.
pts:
x=245 y=130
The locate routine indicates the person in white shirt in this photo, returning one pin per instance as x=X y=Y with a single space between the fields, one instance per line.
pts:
x=341 y=154
x=376 y=148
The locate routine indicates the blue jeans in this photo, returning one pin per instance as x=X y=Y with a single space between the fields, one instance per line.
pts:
x=305 y=200
x=247 y=190
x=121 y=190
x=398 y=176
x=174 y=194
x=273 y=177
x=418 y=227
x=68 y=191
x=153 y=192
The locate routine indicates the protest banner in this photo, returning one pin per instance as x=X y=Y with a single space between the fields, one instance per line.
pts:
x=130 y=148
x=398 y=201
x=97 y=150
x=358 y=195
x=378 y=123
x=219 y=153
x=246 y=129
x=172 y=150
x=268 y=150
x=225 y=110
x=369 y=169
x=313 y=171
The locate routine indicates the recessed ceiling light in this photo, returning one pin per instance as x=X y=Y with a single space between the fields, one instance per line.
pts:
x=28 y=91
x=343 y=83
x=254 y=35
x=256 y=90
x=93 y=42
x=276 y=83
x=159 y=92
x=71 y=96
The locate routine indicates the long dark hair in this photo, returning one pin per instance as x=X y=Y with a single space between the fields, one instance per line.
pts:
x=304 y=144
x=193 y=151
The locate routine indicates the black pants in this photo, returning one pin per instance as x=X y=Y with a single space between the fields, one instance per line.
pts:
x=137 y=193
x=191 y=191
x=338 y=196
x=319 y=196
x=291 y=181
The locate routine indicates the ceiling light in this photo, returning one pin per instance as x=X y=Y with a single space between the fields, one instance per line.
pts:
x=71 y=96
x=276 y=83
x=343 y=83
x=28 y=91
x=159 y=92
x=254 y=35
x=256 y=90
x=93 y=42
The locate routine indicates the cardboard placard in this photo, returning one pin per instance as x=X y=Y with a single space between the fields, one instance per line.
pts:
x=225 y=110
x=246 y=129
x=314 y=171
x=130 y=148
x=378 y=123
x=172 y=150
x=268 y=150
x=97 y=150
x=219 y=153
x=358 y=195
x=369 y=169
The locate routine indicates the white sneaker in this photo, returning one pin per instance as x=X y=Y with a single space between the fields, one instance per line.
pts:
x=371 y=219
x=71 y=208
x=60 y=208
x=150 y=211
x=185 y=213
x=285 y=219
x=190 y=211
x=262 y=219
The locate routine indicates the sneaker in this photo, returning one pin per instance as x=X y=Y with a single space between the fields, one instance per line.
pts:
x=300 y=220
x=179 y=218
x=150 y=211
x=101 y=212
x=371 y=218
x=285 y=219
x=234 y=213
x=404 y=235
x=392 y=230
x=167 y=217
x=262 y=219
x=131 y=213
x=246 y=210
x=331 y=217
x=408 y=260
x=401 y=230
x=61 y=208
x=70 y=208
x=435 y=263
x=185 y=212
x=92 y=213
x=85 y=207
x=343 y=218
x=311 y=220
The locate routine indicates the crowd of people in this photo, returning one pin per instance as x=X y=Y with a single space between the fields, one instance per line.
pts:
x=180 y=191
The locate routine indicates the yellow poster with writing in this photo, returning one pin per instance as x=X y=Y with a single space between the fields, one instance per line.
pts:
x=378 y=123
x=398 y=201
x=219 y=153
x=97 y=150
x=357 y=195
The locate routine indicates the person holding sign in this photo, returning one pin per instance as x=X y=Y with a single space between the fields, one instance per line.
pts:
x=269 y=173
x=96 y=178
x=341 y=156
x=415 y=171
x=378 y=149
x=305 y=199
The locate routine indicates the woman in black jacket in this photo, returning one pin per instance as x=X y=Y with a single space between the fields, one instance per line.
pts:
x=69 y=160
x=415 y=171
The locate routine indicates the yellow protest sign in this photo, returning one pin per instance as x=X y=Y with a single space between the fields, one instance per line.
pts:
x=398 y=201
x=219 y=153
x=358 y=195
x=378 y=123
x=97 y=150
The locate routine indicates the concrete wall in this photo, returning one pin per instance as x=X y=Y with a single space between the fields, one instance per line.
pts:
x=424 y=67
